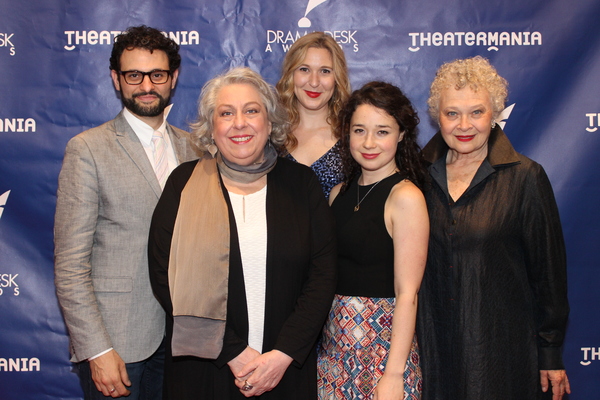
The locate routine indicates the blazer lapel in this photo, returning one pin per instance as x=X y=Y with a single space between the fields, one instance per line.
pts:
x=179 y=144
x=132 y=146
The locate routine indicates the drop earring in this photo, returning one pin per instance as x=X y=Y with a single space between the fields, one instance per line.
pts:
x=212 y=148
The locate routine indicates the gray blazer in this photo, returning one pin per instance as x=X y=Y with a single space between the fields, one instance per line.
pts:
x=107 y=191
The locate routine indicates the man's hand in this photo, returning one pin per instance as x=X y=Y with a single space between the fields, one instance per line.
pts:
x=109 y=374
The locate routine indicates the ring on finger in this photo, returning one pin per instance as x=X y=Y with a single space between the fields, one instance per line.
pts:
x=112 y=390
x=247 y=386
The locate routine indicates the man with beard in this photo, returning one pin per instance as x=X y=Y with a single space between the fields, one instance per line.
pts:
x=110 y=182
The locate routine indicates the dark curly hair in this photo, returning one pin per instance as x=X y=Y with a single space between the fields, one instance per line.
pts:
x=390 y=99
x=144 y=37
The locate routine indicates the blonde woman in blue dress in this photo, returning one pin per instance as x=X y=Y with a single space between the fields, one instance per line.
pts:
x=314 y=86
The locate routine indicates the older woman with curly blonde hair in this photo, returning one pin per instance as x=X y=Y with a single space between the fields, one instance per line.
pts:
x=493 y=303
x=242 y=255
x=313 y=88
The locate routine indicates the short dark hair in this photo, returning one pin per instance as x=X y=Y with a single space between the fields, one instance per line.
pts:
x=144 y=37
x=394 y=102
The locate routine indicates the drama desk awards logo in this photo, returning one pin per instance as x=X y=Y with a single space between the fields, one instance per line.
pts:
x=6 y=42
x=7 y=281
x=285 y=39
x=304 y=22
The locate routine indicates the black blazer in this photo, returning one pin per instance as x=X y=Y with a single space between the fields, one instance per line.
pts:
x=301 y=280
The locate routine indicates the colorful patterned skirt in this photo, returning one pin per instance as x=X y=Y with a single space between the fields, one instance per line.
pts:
x=354 y=350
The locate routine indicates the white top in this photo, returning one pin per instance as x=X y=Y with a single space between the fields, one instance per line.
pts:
x=251 y=220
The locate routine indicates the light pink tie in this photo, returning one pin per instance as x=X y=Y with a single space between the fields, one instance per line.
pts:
x=161 y=164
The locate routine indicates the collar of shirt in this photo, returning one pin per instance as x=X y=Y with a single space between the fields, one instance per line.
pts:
x=500 y=151
x=144 y=131
x=500 y=154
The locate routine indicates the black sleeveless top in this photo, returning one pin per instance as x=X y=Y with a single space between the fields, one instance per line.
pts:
x=365 y=249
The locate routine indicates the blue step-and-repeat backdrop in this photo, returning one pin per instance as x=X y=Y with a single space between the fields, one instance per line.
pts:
x=55 y=83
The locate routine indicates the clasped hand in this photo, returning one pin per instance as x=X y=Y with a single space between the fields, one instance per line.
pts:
x=260 y=371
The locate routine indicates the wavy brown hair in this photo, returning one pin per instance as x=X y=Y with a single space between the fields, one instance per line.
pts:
x=293 y=59
x=392 y=100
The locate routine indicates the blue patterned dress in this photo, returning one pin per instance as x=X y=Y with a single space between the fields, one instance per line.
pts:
x=328 y=168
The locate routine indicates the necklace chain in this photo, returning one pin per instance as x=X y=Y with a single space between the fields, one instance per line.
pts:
x=358 y=199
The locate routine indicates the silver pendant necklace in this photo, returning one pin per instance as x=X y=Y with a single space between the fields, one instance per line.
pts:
x=358 y=199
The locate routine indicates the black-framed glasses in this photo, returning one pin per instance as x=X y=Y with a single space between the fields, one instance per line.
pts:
x=157 y=76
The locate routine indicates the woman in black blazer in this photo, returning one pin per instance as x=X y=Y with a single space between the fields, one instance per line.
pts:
x=299 y=254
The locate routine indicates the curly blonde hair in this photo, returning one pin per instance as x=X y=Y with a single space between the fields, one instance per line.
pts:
x=202 y=129
x=293 y=59
x=478 y=73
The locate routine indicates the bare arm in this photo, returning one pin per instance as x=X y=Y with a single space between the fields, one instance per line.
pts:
x=407 y=222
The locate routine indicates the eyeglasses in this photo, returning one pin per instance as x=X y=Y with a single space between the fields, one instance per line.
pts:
x=157 y=76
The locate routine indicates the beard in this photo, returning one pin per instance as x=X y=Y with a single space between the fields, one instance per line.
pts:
x=146 y=110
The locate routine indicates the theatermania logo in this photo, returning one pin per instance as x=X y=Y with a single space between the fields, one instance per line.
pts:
x=492 y=40
x=17 y=125
x=590 y=354
x=593 y=122
x=21 y=364
x=106 y=38
x=284 y=39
